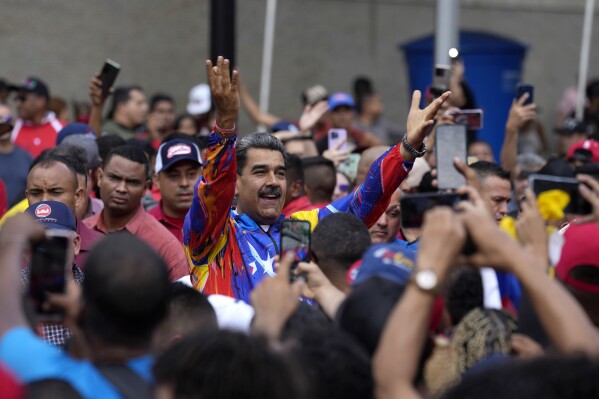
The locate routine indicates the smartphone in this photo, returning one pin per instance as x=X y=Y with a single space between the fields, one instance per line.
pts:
x=295 y=236
x=472 y=118
x=48 y=271
x=450 y=142
x=110 y=70
x=577 y=205
x=338 y=139
x=525 y=88
x=414 y=206
x=441 y=78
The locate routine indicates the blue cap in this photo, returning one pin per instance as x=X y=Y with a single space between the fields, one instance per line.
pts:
x=284 y=126
x=174 y=151
x=389 y=261
x=341 y=99
x=54 y=215
x=73 y=129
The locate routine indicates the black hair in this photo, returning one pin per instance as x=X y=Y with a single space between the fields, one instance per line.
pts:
x=259 y=141
x=160 y=97
x=181 y=117
x=185 y=137
x=126 y=291
x=338 y=241
x=546 y=377
x=592 y=89
x=121 y=95
x=320 y=177
x=132 y=153
x=51 y=389
x=189 y=310
x=464 y=293
x=363 y=89
x=227 y=365
x=485 y=169
x=294 y=168
x=336 y=366
x=305 y=317
x=75 y=155
x=107 y=143
x=47 y=160
x=479 y=141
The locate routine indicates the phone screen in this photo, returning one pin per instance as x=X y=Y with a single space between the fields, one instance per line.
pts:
x=525 y=88
x=414 y=206
x=472 y=118
x=450 y=142
x=110 y=71
x=577 y=205
x=295 y=236
x=47 y=273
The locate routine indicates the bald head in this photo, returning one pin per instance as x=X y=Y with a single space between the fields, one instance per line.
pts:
x=367 y=158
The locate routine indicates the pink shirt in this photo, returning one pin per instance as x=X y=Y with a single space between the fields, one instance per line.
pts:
x=148 y=229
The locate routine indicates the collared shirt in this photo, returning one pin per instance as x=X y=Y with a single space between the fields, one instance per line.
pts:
x=88 y=239
x=174 y=225
x=36 y=138
x=94 y=206
x=148 y=229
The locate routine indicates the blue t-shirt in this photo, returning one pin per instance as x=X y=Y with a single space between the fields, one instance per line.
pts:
x=14 y=168
x=30 y=359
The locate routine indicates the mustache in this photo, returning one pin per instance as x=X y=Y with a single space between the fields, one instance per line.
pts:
x=270 y=191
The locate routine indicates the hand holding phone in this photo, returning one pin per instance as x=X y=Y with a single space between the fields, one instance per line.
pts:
x=337 y=139
x=414 y=206
x=295 y=236
x=48 y=271
x=525 y=88
x=575 y=203
x=471 y=118
x=108 y=74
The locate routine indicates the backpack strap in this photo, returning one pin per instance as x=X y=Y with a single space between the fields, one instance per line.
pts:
x=129 y=384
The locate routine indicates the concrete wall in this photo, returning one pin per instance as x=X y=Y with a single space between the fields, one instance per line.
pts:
x=162 y=44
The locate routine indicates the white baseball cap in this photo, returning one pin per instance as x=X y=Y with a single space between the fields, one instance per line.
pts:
x=199 y=99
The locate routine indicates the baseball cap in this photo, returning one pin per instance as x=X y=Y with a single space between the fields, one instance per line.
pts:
x=341 y=99
x=314 y=94
x=571 y=126
x=87 y=143
x=578 y=265
x=200 y=100
x=53 y=214
x=73 y=129
x=174 y=151
x=33 y=85
x=232 y=313
x=389 y=261
x=284 y=126
x=584 y=150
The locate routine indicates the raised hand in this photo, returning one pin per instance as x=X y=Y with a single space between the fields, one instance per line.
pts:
x=420 y=121
x=312 y=114
x=225 y=92
x=532 y=232
x=520 y=113
x=590 y=192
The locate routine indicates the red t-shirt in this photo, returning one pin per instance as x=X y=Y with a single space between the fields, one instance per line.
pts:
x=174 y=225
x=36 y=138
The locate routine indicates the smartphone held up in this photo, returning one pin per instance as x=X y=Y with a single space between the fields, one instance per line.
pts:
x=295 y=236
x=48 y=266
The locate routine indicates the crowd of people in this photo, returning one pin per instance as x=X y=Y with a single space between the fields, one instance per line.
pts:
x=176 y=284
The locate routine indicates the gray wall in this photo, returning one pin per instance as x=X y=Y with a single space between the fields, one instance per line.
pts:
x=162 y=44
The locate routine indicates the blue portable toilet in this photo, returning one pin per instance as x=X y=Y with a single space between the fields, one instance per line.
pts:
x=493 y=69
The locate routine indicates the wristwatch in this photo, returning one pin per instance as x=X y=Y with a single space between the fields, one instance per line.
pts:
x=426 y=280
x=417 y=153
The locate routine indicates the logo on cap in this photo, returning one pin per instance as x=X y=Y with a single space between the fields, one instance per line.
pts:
x=179 y=149
x=43 y=211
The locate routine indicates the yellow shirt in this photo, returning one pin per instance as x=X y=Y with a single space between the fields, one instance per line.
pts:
x=18 y=208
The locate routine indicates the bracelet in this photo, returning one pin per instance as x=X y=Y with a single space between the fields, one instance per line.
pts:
x=224 y=132
x=416 y=152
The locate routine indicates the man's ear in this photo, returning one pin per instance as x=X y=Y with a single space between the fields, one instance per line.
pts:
x=79 y=196
x=76 y=244
x=100 y=173
x=297 y=189
x=156 y=181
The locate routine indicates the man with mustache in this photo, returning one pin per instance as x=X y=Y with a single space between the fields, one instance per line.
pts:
x=178 y=167
x=231 y=250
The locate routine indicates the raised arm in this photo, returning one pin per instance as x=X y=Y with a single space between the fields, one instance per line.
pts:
x=206 y=221
x=98 y=100
x=370 y=199
x=254 y=112
x=518 y=116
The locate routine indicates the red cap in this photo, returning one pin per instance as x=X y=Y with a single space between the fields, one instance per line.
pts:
x=589 y=145
x=581 y=243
